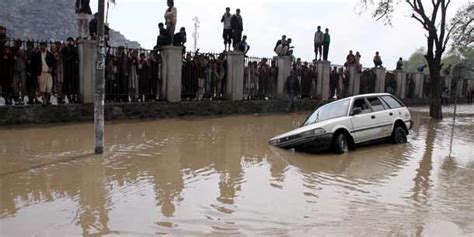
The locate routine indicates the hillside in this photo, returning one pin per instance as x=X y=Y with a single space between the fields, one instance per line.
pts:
x=46 y=20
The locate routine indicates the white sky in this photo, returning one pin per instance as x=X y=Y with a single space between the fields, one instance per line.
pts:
x=266 y=20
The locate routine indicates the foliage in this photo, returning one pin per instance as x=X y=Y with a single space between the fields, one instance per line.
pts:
x=462 y=26
x=417 y=58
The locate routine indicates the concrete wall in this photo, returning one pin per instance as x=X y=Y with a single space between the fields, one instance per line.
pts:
x=380 y=74
x=354 y=80
x=87 y=70
x=419 y=79
x=172 y=72
x=401 y=78
x=284 y=69
x=37 y=114
x=324 y=71
x=235 y=76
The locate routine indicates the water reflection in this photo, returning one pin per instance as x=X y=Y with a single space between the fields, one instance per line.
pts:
x=219 y=176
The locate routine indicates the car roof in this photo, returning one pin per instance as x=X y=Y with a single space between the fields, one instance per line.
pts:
x=360 y=96
x=369 y=95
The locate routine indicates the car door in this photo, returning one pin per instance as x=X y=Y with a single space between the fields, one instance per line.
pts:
x=362 y=122
x=382 y=118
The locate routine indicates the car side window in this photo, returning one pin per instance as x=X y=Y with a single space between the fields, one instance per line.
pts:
x=376 y=104
x=394 y=104
x=360 y=103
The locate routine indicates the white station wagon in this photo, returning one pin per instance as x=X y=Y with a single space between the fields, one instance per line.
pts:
x=342 y=124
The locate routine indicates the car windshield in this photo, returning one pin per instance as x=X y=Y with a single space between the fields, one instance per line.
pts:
x=329 y=111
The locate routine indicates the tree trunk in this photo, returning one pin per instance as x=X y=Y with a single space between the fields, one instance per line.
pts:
x=435 y=75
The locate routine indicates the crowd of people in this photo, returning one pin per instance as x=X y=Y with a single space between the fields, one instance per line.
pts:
x=33 y=71
x=204 y=76
x=132 y=75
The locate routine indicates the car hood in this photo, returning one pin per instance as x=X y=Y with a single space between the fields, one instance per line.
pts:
x=299 y=130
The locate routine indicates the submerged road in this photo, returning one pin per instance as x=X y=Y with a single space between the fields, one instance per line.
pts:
x=202 y=176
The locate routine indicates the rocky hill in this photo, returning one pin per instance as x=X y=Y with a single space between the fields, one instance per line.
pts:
x=46 y=20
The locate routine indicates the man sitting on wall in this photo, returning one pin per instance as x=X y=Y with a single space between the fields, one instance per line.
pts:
x=244 y=46
x=179 y=39
x=377 y=60
x=163 y=39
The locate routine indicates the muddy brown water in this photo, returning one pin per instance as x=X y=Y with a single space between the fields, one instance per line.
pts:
x=218 y=176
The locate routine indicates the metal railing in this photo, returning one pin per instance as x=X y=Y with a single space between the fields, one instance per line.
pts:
x=132 y=75
x=20 y=65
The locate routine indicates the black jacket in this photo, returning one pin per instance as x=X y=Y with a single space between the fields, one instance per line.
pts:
x=82 y=6
x=38 y=64
x=237 y=23
x=292 y=85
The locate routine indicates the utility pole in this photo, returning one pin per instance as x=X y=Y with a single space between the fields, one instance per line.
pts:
x=100 y=82
x=196 y=33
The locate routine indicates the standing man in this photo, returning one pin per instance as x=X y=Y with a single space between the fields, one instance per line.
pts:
x=227 y=34
x=279 y=46
x=318 y=43
x=292 y=87
x=83 y=11
x=333 y=78
x=70 y=58
x=3 y=38
x=326 y=42
x=237 y=26
x=171 y=18
x=44 y=62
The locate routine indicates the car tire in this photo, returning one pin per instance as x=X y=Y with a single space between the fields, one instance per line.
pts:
x=341 y=144
x=399 y=136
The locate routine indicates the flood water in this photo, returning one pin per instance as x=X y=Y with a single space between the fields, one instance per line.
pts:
x=218 y=176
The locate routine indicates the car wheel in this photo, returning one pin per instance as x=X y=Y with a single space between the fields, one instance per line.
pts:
x=341 y=145
x=399 y=136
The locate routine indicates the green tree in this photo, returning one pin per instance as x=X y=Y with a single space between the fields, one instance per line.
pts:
x=432 y=15
x=463 y=30
x=416 y=58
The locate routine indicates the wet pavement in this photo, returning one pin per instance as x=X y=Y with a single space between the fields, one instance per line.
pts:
x=218 y=176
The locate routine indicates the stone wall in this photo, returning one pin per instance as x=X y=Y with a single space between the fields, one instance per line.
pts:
x=38 y=114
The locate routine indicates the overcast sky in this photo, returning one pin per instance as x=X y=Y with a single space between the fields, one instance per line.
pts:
x=266 y=20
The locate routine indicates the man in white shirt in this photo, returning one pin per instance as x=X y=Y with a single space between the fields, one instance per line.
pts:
x=44 y=64
x=227 y=34
x=171 y=17
x=318 y=43
x=83 y=11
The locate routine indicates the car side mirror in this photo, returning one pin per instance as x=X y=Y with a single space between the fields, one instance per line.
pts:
x=356 y=111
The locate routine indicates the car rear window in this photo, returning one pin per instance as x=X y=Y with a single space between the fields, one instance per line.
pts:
x=392 y=102
x=376 y=104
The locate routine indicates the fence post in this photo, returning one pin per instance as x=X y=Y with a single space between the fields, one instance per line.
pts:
x=324 y=73
x=459 y=88
x=447 y=84
x=284 y=69
x=235 y=76
x=419 y=78
x=87 y=70
x=380 y=74
x=354 y=80
x=401 y=77
x=172 y=66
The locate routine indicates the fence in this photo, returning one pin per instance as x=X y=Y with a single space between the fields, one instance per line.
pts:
x=132 y=75
x=20 y=64
x=135 y=75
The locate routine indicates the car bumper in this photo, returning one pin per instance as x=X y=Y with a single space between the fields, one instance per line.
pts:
x=321 y=142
